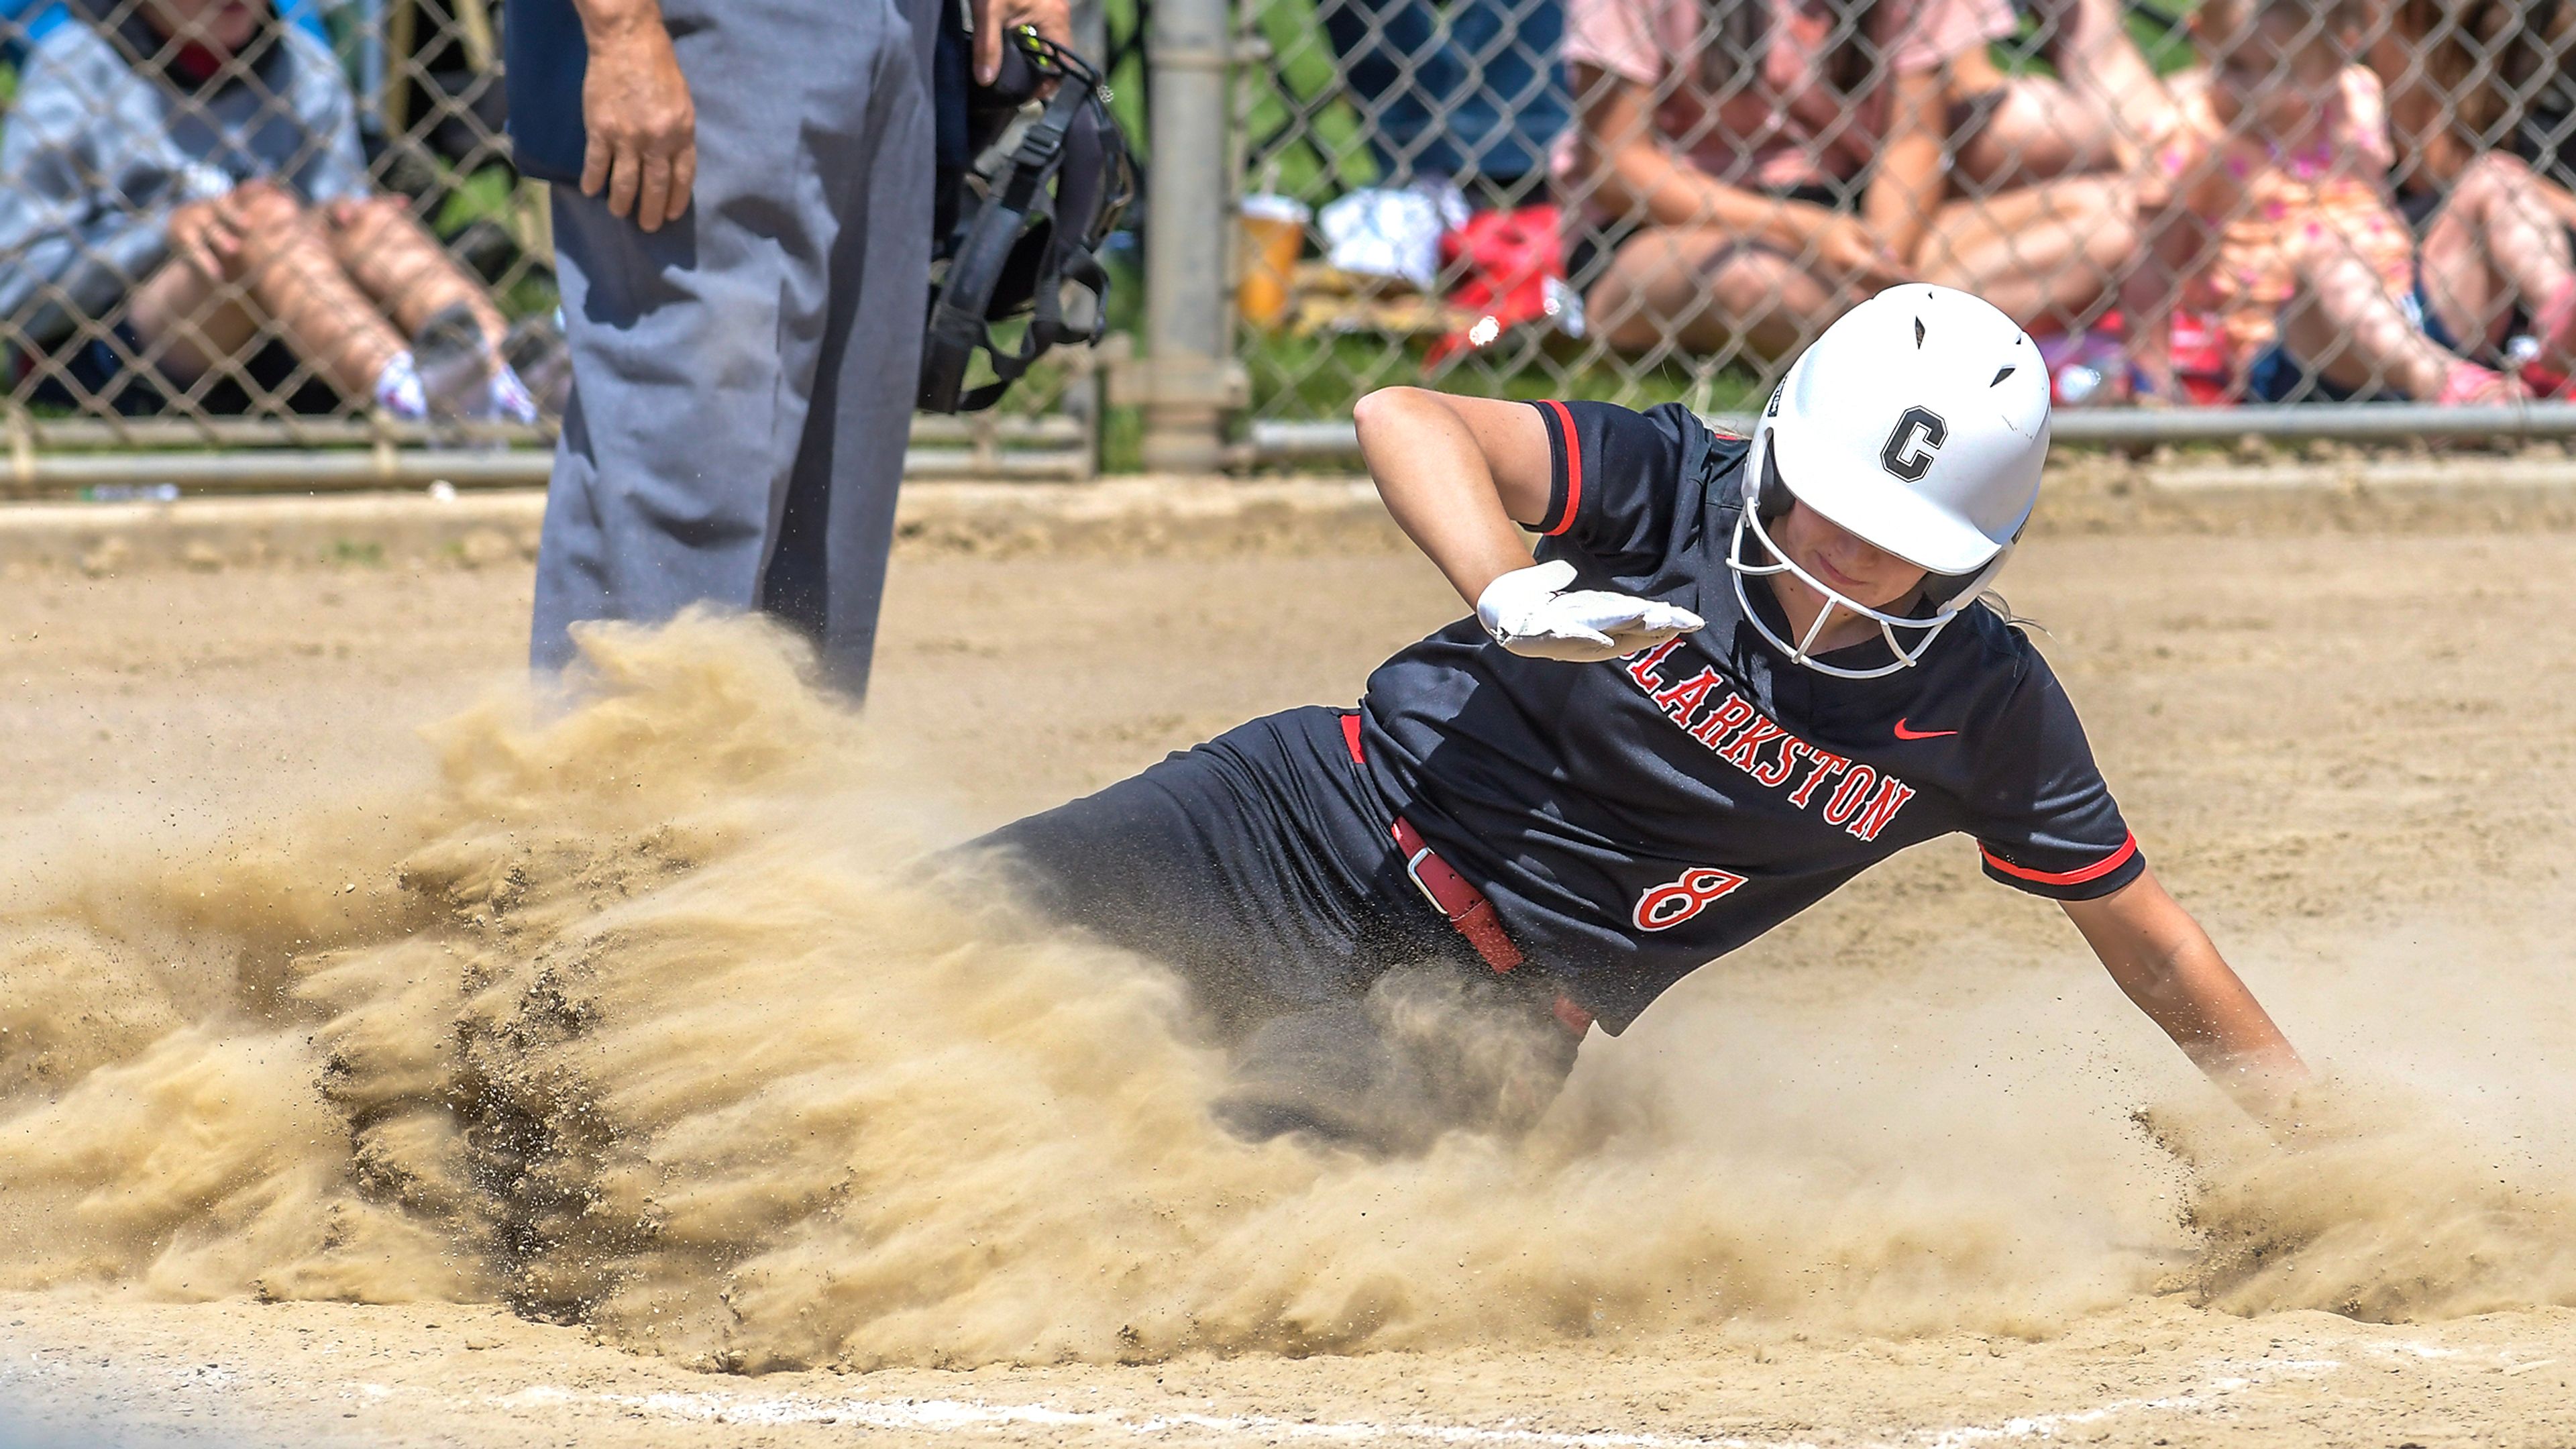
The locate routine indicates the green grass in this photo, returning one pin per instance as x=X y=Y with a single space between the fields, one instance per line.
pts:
x=484 y=196
x=1126 y=80
x=1122 y=441
x=491 y=194
x=529 y=294
x=2166 y=50
x=1319 y=377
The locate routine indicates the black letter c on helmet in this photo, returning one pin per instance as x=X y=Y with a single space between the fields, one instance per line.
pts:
x=1919 y=434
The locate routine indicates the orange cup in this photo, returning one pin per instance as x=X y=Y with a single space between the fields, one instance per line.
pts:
x=1272 y=235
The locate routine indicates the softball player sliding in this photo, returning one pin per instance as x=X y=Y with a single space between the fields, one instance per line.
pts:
x=1739 y=673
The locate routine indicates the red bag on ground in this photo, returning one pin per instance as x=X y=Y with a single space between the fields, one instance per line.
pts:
x=2199 y=352
x=1514 y=272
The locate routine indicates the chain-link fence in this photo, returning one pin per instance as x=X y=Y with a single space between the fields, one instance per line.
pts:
x=295 y=223
x=2227 y=204
x=2232 y=203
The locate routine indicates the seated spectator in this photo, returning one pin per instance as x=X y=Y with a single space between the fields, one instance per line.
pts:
x=1714 y=167
x=190 y=171
x=2265 y=202
x=2480 y=158
x=2012 y=130
x=2468 y=78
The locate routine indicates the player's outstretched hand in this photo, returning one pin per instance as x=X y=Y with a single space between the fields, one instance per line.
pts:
x=1528 y=612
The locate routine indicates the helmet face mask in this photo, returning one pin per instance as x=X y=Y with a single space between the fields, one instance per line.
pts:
x=1768 y=497
x=1918 y=423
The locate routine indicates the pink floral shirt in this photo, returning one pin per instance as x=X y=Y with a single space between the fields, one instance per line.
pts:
x=2266 y=205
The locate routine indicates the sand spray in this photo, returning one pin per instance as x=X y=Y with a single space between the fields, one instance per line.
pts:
x=652 y=1014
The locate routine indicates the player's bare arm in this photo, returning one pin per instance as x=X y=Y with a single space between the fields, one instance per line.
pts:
x=1908 y=178
x=2166 y=964
x=1462 y=476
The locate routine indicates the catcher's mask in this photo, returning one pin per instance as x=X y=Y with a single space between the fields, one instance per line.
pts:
x=1016 y=228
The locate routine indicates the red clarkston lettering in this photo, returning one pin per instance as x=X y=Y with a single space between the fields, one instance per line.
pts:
x=1863 y=801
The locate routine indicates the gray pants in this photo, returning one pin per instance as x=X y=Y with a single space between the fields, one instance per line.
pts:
x=743 y=379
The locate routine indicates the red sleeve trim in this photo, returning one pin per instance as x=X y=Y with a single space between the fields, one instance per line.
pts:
x=1573 y=467
x=2095 y=871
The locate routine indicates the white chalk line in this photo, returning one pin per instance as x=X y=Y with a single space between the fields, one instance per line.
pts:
x=966 y=1415
x=951 y=1415
x=955 y=1415
x=2042 y=1426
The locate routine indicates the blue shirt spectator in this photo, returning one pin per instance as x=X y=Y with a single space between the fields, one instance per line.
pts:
x=97 y=156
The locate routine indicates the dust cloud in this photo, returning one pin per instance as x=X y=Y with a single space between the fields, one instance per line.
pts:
x=651 y=1015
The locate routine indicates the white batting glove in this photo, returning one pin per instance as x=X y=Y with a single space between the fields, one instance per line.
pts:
x=1528 y=612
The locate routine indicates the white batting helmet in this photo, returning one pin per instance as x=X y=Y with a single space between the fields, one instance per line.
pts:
x=1919 y=423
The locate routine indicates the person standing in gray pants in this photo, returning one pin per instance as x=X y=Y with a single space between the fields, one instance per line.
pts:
x=745 y=268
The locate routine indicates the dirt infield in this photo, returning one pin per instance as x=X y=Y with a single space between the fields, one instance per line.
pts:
x=1876 y=1181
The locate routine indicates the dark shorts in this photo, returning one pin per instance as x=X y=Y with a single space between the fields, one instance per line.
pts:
x=1262 y=868
x=2279 y=375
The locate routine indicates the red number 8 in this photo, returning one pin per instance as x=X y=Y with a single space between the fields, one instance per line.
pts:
x=1667 y=906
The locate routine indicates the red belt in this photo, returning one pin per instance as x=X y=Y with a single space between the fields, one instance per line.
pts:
x=1458 y=901
x=1449 y=893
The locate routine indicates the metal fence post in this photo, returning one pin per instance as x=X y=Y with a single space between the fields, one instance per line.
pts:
x=1188 y=372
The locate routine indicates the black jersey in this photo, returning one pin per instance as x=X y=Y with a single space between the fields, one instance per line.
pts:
x=1636 y=818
